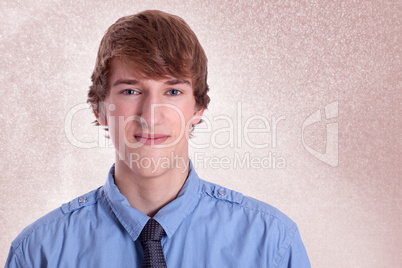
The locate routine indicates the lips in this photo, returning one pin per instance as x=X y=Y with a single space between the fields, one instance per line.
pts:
x=151 y=139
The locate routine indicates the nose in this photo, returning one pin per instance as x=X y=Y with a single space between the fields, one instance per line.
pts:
x=151 y=111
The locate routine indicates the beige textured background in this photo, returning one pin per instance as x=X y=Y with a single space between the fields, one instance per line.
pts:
x=275 y=58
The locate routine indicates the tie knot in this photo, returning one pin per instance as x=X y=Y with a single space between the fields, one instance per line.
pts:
x=152 y=231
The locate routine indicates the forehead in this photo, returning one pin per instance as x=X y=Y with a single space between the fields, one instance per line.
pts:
x=120 y=69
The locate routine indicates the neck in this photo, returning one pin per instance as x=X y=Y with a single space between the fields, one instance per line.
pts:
x=146 y=192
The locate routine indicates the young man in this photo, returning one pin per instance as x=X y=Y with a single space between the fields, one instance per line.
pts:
x=150 y=89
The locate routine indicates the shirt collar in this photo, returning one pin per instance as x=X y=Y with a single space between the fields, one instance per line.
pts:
x=170 y=216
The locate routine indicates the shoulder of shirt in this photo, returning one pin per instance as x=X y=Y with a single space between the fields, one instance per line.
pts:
x=247 y=203
x=59 y=214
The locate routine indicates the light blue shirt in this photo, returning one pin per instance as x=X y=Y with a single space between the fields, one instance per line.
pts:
x=206 y=226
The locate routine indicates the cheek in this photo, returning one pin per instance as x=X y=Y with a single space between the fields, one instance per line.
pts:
x=178 y=119
x=118 y=113
x=117 y=118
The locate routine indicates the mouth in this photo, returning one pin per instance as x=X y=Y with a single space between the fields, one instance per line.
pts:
x=151 y=139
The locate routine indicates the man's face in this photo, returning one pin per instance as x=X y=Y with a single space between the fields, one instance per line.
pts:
x=149 y=120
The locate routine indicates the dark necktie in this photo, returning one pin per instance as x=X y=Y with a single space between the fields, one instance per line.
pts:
x=150 y=238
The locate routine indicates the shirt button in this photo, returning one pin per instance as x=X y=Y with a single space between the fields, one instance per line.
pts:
x=222 y=192
x=82 y=200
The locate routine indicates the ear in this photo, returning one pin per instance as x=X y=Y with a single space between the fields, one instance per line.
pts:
x=197 y=116
x=100 y=116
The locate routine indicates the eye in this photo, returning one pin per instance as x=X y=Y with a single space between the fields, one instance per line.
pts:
x=130 y=92
x=173 y=92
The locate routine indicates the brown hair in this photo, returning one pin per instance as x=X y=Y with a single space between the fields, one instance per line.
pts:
x=155 y=44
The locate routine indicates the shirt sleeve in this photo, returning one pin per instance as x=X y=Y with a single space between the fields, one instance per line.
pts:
x=13 y=260
x=296 y=255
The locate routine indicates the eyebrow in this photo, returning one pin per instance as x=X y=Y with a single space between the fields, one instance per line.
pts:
x=126 y=81
x=177 y=81
x=136 y=82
